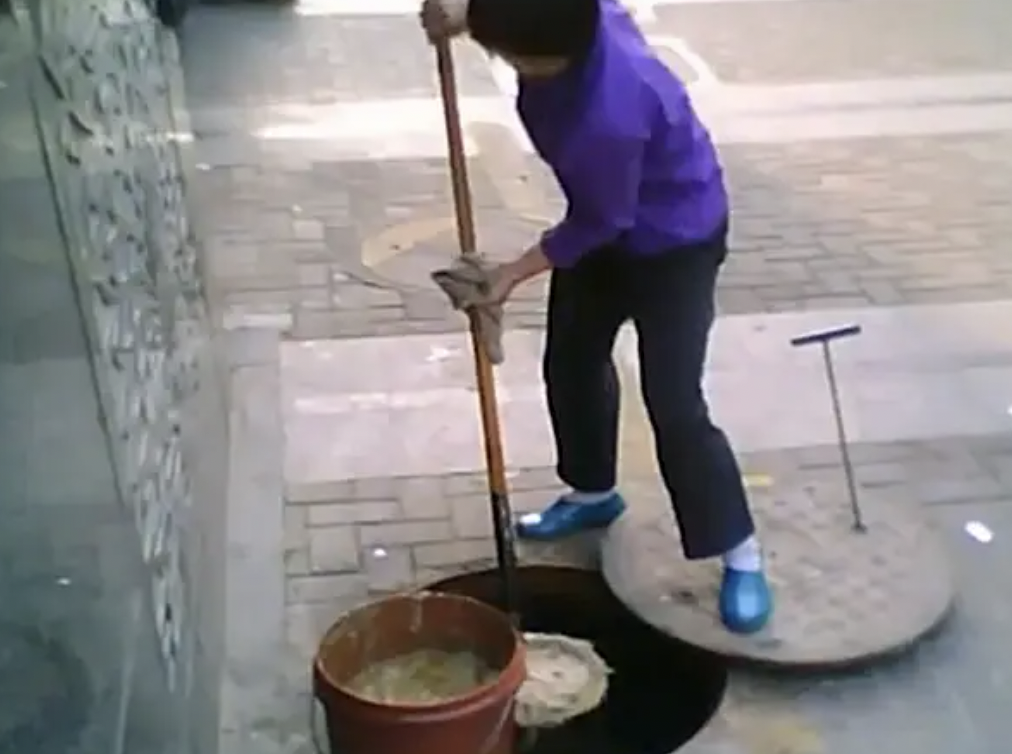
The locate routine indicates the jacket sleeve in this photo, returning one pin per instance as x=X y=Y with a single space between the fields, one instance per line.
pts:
x=600 y=175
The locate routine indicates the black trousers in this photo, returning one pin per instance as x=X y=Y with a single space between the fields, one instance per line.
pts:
x=670 y=300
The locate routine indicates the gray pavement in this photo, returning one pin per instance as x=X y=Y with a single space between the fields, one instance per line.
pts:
x=869 y=148
x=828 y=41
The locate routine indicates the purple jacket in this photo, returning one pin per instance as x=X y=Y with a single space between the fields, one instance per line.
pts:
x=634 y=162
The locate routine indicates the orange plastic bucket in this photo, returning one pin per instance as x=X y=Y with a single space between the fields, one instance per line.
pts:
x=479 y=722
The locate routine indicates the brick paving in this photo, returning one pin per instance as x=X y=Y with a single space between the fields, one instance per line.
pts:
x=428 y=527
x=818 y=225
x=874 y=222
x=288 y=244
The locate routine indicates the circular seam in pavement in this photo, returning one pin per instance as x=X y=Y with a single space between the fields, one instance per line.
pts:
x=842 y=597
x=403 y=255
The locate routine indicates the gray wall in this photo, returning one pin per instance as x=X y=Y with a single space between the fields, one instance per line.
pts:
x=113 y=431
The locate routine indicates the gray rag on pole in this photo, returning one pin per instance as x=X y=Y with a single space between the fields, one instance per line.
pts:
x=467 y=284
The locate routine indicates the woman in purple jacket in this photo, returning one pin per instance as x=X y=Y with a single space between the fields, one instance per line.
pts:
x=644 y=236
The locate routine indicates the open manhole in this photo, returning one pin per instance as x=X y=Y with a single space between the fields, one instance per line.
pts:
x=45 y=695
x=662 y=691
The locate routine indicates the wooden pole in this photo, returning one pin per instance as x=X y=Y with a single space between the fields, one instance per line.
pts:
x=495 y=464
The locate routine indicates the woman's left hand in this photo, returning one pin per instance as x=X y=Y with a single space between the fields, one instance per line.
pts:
x=443 y=19
x=502 y=280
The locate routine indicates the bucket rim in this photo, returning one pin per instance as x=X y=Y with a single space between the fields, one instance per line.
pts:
x=513 y=675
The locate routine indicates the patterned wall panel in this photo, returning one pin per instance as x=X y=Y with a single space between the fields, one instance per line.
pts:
x=108 y=129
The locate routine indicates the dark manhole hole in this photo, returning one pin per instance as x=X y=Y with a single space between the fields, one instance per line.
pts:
x=662 y=691
x=44 y=693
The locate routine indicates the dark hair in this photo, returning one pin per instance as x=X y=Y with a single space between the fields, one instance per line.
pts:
x=535 y=28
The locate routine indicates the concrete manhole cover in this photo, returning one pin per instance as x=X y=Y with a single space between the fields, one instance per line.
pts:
x=44 y=691
x=842 y=596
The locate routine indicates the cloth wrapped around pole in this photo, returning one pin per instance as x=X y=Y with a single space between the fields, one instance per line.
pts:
x=467 y=283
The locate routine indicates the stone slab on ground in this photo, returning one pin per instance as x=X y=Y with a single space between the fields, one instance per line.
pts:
x=839 y=39
x=409 y=405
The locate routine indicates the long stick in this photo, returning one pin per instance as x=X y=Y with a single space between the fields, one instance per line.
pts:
x=502 y=519
x=841 y=438
x=824 y=338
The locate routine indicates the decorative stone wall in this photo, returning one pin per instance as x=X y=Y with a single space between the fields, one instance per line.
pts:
x=105 y=113
x=119 y=173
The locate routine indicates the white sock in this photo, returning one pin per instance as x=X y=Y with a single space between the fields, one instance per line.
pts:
x=747 y=556
x=588 y=498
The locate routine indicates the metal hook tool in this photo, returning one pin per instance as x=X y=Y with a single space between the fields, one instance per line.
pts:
x=824 y=338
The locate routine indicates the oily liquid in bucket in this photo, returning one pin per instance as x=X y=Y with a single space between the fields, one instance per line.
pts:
x=424 y=676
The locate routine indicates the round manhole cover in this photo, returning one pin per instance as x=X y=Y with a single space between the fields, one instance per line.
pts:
x=842 y=596
x=44 y=693
x=403 y=256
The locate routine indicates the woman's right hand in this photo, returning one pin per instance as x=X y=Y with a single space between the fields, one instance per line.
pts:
x=443 y=19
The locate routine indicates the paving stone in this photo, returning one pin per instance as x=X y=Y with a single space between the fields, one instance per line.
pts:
x=312 y=299
x=308 y=252
x=305 y=229
x=296 y=534
x=389 y=569
x=464 y=484
x=471 y=517
x=352 y=297
x=748 y=43
x=424 y=497
x=456 y=553
x=326 y=588
x=311 y=324
x=471 y=514
x=297 y=563
x=333 y=549
x=305 y=625
x=314 y=275
x=534 y=479
x=519 y=480
x=379 y=488
x=247 y=347
x=345 y=512
x=322 y=492
x=423 y=305
x=404 y=533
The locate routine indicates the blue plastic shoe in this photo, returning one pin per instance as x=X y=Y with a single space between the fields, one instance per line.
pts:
x=746 y=601
x=563 y=518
